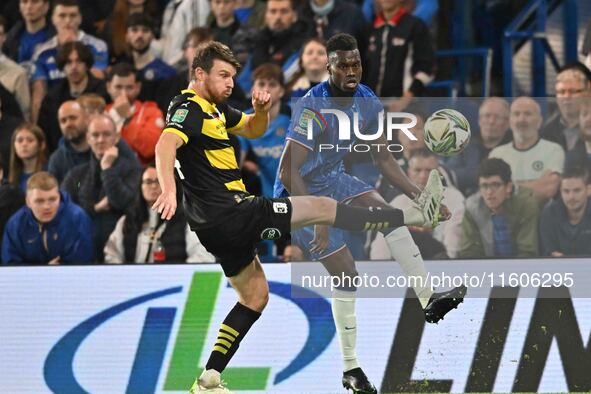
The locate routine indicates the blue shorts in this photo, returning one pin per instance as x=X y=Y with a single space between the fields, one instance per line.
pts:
x=343 y=188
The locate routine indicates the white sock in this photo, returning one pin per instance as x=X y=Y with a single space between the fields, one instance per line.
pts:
x=405 y=251
x=345 y=321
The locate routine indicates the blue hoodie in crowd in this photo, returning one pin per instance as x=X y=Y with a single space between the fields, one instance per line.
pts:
x=68 y=235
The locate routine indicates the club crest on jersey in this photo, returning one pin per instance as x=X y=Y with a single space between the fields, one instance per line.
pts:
x=180 y=115
x=271 y=234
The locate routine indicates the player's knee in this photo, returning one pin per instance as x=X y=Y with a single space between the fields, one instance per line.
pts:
x=325 y=206
x=258 y=300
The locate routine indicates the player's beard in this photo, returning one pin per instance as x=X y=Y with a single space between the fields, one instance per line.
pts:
x=215 y=98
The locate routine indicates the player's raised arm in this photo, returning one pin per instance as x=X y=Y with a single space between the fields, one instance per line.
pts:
x=165 y=157
x=256 y=124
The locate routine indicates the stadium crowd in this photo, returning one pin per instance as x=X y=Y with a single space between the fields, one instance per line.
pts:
x=84 y=86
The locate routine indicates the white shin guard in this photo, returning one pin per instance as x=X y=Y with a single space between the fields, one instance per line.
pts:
x=405 y=251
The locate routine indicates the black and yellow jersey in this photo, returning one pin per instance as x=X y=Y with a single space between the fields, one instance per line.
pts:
x=207 y=165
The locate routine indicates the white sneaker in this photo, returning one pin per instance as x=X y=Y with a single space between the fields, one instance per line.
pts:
x=424 y=211
x=209 y=382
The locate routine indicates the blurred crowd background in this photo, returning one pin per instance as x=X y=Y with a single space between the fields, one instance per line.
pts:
x=85 y=85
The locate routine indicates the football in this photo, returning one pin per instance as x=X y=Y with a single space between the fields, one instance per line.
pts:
x=447 y=132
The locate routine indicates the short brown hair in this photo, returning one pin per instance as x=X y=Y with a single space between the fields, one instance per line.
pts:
x=123 y=70
x=65 y=3
x=199 y=34
x=576 y=172
x=269 y=71
x=42 y=180
x=492 y=167
x=92 y=102
x=210 y=51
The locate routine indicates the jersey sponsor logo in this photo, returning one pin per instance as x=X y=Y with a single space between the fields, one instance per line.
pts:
x=270 y=234
x=280 y=207
x=180 y=115
x=269 y=151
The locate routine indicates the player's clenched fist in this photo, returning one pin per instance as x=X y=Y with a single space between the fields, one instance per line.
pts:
x=165 y=205
x=261 y=101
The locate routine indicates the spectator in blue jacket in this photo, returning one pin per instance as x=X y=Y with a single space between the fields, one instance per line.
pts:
x=50 y=229
x=565 y=224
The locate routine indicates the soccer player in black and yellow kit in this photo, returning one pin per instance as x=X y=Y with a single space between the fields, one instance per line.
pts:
x=220 y=211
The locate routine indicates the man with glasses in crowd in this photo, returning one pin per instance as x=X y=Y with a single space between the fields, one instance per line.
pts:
x=497 y=221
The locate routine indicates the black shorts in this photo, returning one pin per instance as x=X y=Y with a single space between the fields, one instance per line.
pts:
x=232 y=241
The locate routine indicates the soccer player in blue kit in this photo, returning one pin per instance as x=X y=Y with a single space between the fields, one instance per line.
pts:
x=307 y=169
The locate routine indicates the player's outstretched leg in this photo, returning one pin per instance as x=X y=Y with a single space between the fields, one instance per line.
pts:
x=310 y=210
x=406 y=252
x=253 y=291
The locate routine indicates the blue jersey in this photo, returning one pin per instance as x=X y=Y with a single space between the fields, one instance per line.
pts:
x=323 y=167
x=157 y=70
x=45 y=67
x=268 y=149
x=27 y=44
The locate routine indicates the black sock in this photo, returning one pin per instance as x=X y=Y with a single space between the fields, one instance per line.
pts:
x=233 y=330
x=364 y=219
